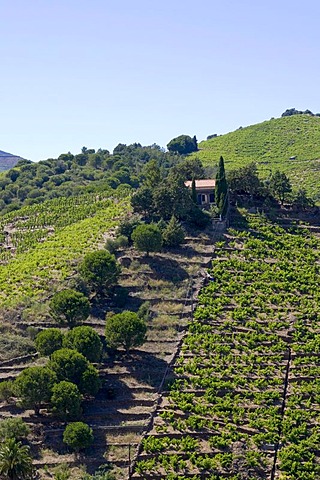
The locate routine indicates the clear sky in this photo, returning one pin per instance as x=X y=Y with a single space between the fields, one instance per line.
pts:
x=96 y=73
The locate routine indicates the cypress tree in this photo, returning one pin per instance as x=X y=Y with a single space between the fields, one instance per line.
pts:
x=221 y=189
x=194 y=191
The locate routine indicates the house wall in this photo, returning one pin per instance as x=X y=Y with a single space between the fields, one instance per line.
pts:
x=205 y=197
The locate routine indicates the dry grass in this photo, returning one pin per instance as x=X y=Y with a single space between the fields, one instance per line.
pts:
x=126 y=438
x=168 y=307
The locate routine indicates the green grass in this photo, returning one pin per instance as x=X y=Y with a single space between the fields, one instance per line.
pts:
x=270 y=144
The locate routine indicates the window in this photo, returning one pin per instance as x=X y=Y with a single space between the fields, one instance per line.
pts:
x=203 y=198
x=211 y=196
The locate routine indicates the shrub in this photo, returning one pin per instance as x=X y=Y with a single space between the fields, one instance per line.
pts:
x=13 y=428
x=48 y=341
x=78 y=435
x=6 y=390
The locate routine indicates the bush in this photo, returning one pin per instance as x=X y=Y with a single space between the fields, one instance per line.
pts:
x=78 y=435
x=13 y=428
x=126 y=330
x=6 y=390
x=113 y=245
x=127 y=227
x=144 y=311
x=48 y=341
x=199 y=218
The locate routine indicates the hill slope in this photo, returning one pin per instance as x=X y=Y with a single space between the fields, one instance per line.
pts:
x=7 y=160
x=40 y=245
x=271 y=144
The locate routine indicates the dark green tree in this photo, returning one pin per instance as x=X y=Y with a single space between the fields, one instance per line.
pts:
x=183 y=144
x=173 y=234
x=100 y=270
x=280 y=185
x=142 y=201
x=190 y=168
x=172 y=197
x=68 y=365
x=301 y=200
x=73 y=367
x=85 y=340
x=90 y=382
x=69 y=307
x=152 y=174
x=221 y=189
x=34 y=385
x=125 y=330
x=78 y=435
x=48 y=341
x=66 y=400
x=147 y=238
x=194 y=191
x=15 y=461
x=245 y=180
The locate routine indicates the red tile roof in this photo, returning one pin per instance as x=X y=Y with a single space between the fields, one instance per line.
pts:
x=205 y=183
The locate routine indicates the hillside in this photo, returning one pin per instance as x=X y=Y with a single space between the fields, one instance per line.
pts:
x=38 y=247
x=271 y=144
x=7 y=160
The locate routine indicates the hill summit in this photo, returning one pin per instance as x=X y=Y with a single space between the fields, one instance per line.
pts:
x=290 y=144
x=7 y=160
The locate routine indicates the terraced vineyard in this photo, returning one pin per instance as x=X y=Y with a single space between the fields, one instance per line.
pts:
x=41 y=244
x=123 y=408
x=244 y=403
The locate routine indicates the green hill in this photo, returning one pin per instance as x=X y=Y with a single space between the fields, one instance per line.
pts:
x=271 y=144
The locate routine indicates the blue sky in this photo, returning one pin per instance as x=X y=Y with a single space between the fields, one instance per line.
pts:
x=95 y=73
